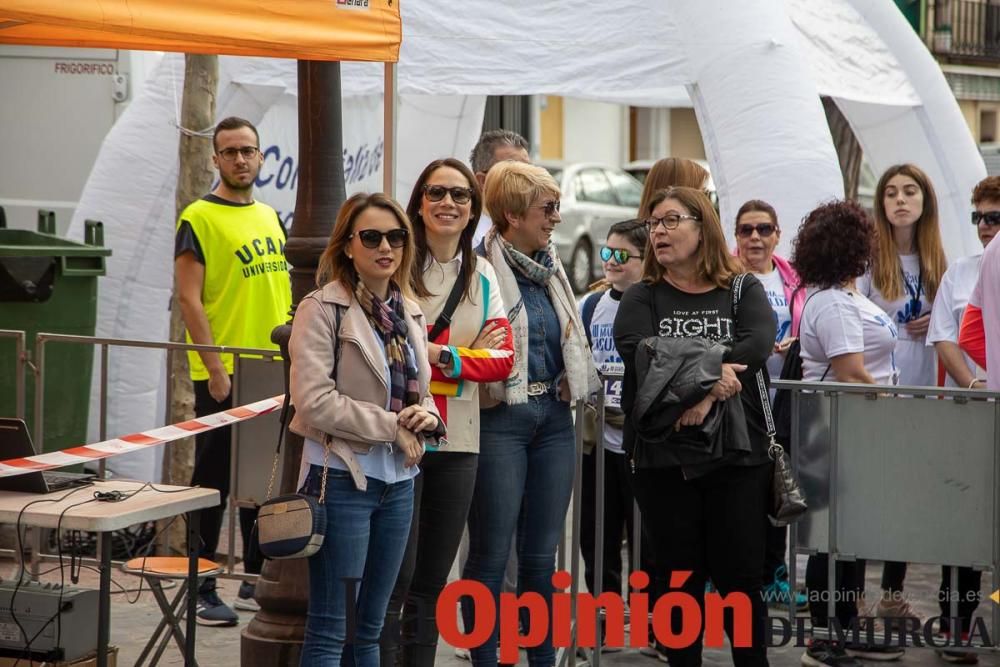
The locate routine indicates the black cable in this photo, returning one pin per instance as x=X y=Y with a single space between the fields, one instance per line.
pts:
x=99 y=496
x=21 y=572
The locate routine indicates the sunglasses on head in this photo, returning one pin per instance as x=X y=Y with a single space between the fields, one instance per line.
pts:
x=991 y=218
x=372 y=238
x=437 y=193
x=621 y=256
x=764 y=230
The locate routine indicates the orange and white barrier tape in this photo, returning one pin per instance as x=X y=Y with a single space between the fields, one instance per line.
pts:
x=136 y=441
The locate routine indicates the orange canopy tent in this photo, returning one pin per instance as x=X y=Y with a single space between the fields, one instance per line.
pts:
x=362 y=30
x=301 y=29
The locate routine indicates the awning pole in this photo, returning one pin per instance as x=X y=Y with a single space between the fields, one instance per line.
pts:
x=390 y=115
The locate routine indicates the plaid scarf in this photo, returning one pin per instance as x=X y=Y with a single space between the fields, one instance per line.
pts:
x=389 y=322
x=538 y=269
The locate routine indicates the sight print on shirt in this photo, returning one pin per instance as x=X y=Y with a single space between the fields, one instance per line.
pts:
x=703 y=323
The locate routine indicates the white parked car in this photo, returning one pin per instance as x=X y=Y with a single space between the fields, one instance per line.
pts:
x=594 y=197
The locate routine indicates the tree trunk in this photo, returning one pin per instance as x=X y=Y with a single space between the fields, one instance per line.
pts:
x=848 y=149
x=194 y=179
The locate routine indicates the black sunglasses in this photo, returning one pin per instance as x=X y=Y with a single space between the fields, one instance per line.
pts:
x=437 y=193
x=764 y=230
x=991 y=218
x=620 y=254
x=372 y=238
x=549 y=208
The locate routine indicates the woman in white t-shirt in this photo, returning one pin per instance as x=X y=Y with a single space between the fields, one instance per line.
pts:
x=908 y=263
x=844 y=337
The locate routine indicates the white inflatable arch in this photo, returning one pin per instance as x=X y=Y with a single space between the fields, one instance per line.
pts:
x=753 y=71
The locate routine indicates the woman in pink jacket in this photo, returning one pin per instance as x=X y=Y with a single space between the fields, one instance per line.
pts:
x=757 y=236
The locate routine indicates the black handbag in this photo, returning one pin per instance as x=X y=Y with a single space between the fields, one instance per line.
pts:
x=788 y=502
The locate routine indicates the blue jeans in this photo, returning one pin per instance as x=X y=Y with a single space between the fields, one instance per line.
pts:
x=366 y=535
x=524 y=482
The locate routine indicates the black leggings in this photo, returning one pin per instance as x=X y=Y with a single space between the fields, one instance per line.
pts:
x=618 y=504
x=713 y=526
x=442 y=493
x=969 y=583
x=212 y=456
x=850 y=584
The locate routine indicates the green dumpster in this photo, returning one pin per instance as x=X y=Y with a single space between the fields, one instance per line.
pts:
x=49 y=284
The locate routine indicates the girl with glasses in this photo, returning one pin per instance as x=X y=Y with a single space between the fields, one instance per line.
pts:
x=622 y=255
x=469 y=342
x=527 y=446
x=908 y=263
x=757 y=236
x=359 y=382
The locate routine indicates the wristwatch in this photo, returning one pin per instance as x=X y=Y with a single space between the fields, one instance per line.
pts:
x=444 y=358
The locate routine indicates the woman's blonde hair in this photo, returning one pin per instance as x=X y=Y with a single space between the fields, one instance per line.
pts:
x=714 y=262
x=887 y=270
x=670 y=172
x=511 y=187
x=334 y=264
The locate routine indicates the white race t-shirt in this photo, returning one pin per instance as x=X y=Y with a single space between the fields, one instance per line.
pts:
x=986 y=296
x=774 y=287
x=607 y=359
x=836 y=321
x=917 y=363
x=949 y=306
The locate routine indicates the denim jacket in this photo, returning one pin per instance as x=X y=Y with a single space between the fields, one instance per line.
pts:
x=545 y=360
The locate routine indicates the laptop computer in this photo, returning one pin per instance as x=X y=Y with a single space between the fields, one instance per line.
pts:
x=15 y=442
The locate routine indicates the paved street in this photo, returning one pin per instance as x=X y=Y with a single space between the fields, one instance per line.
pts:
x=132 y=624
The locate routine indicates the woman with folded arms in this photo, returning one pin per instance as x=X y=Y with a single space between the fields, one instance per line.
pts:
x=527 y=447
x=470 y=342
x=359 y=382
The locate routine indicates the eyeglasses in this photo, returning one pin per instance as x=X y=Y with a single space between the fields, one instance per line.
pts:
x=764 y=230
x=548 y=208
x=991 y=218
x=229 y=154
x=437 y=193
x=372 y=238
x=620 y=254
x=669 y=221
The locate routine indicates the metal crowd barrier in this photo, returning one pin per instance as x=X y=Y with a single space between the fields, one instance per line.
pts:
x=37 y=365
x=920 y=467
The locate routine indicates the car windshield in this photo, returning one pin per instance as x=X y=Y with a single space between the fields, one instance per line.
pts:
x=556 y=173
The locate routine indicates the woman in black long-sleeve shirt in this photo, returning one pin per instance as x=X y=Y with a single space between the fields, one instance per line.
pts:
x=713 y=523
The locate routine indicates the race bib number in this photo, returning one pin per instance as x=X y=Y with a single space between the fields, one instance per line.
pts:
x=612 y=373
